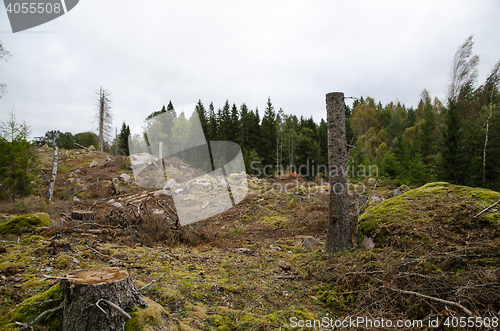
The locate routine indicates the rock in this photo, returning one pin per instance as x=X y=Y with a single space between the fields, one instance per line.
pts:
x=244 y=250
x=125 y=177
x=400 y=190
x=376 y=199
x=162 y=192
x=117 y=205
x=76 y=199
x=116 y=181
x=93 y=164
x=367 y=243
x=179 y=191
x=371 y=181
x=170 y=183
x=91 y=148
x=305 y=241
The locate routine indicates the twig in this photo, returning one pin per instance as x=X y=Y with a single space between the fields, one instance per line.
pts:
x=170 y=213
x=288 y=277
x=369 y=197
x=446 y=302
x=488 y=208
x=151 y=282
x=40 y=316
x=65 y=278
x=41 y=303
x=121 y=311
x=96 y=251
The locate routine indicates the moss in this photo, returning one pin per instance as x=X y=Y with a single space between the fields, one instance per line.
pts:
x=273 y=221
x=31 y=239
x=152 y=317
x=421 y=207
x=25 y=223
x=63 y=261
x=28 y=310
x=11 y=268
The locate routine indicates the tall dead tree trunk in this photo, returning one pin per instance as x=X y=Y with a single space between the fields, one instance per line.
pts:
x=338 y=236
x=53 y=174
x=98 y=299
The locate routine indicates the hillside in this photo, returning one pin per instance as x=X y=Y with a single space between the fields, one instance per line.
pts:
x=245 y=268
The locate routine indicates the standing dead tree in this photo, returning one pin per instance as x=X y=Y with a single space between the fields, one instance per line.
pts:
x=4 y=54
x=104 y=117
x=338 y=237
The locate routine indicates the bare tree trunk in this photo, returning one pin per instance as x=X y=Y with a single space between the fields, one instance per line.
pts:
x=486 y=139
x=338 y=236
x=116 y=141
x=52 y=180
x=101 y=119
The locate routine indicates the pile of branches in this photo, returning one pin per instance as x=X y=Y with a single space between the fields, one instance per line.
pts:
x=140 y=218
x=462 y=283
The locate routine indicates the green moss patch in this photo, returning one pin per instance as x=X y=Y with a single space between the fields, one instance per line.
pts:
x=25 y=223
x=32 y=307
x=438 y=213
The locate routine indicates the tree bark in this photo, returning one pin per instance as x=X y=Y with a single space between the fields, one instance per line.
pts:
x=98 y=299
x=338 y=236
x=52 y=180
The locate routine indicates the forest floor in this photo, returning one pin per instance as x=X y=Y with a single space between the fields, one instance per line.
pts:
x=251 y=267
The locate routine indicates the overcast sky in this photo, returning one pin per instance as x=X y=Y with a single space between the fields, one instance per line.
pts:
x=149 y=52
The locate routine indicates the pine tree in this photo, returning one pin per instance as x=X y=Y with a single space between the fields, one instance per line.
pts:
x=212 y=123
x=268 y=134
x=202 y=115
x=17 y=160
x=123 y=137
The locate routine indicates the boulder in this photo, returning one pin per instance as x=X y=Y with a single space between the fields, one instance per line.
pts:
x=400 y=190
x=125 y=177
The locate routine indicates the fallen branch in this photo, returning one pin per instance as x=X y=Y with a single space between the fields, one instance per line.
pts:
x=25 y=326
x=446 y=302
x=78 y=145
x=488 y=208
x=288 y=277
x=152 y=282
x=41 y=303
x=170 y=213
x=121 y=311
x=369 y=197
x=99 y=253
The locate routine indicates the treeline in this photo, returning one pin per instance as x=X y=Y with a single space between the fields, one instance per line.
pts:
x=458 y=141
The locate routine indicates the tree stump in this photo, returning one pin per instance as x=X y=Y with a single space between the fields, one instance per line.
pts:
x=82 y=215
x=98 y=299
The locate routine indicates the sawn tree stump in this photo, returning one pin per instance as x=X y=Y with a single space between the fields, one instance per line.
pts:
x=89 y=296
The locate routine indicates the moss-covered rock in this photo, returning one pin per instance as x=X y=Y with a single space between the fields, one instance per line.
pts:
x=25 y=223
x=430 y=213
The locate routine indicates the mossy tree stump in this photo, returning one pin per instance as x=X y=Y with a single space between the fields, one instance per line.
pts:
x=98 y=299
